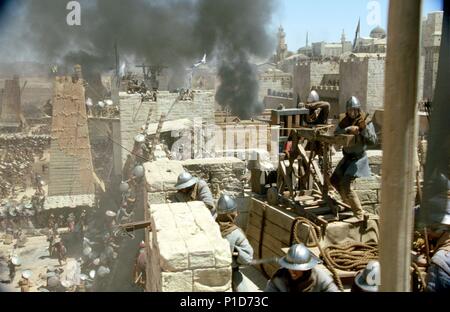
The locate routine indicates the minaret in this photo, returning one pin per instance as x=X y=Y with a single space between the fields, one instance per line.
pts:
x=307 y=43
x=282 y=46
x=343 y=41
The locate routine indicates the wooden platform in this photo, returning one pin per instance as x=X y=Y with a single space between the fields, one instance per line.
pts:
x=269 y=232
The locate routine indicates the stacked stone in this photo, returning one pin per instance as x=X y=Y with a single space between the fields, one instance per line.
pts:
x=222 y=174
x=161 y=177
x=186 y=250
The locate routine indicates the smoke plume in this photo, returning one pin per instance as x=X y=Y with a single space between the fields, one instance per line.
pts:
x=174 y=33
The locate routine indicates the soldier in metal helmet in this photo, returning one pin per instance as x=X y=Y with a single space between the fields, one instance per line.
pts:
x=355 y=163
x=318 y=110
x=367 y=280
x=241 y=249
x=299 y=273
x=25 y=282
x=193 y=189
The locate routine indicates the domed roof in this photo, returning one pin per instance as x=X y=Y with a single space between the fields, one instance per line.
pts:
x=378 y=32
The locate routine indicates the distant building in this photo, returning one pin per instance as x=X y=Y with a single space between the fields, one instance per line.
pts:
x=376 y=43
x=282 y=49
x=431 y=42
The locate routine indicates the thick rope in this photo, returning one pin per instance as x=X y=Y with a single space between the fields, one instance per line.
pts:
x=313 y=229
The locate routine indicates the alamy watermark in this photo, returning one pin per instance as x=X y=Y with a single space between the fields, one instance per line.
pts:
x=74 y=16
x=245 y=141
x=374 y=16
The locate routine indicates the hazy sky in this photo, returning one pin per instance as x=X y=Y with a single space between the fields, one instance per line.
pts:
x=325 y=19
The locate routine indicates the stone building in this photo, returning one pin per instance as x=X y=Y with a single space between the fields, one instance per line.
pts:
x=72 y=179
x=10 y=109
x=311 y=75
x=375 y=43
x=273 y=79
x=431 y=42
x=363 y=78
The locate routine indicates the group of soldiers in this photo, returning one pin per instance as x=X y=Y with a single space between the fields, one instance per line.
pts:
x=355 y=163
x=105 y=109
x=141 y=88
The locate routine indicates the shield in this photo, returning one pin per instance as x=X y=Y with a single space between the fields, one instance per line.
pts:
x=53 y=281
x=15 y=260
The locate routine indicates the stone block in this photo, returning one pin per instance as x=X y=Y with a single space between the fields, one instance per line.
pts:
x=212 y=280
x=201 y=252
x=177 y=282
x=156 y=198
x=222 y=253
x=368 y=196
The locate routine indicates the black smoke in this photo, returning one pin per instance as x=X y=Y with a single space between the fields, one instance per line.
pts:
x=174 y=33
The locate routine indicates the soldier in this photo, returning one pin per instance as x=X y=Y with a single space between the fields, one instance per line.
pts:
x=24 y=282
x=61 y=221
x=50 y=240
x=51 y=222
x=71 y=222
x=240 y=247
x=13 y=262
x=192 y=189
x=140 y=266
x=299 y=273
x=60 y=250
x=318 y=110
x=355 y=163
x=438 y=277
x=367 y=280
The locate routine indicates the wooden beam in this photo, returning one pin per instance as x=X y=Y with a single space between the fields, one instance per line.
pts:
x=130 y=227
x=399 y=144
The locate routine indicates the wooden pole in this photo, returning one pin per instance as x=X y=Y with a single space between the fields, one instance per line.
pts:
x=399 y=144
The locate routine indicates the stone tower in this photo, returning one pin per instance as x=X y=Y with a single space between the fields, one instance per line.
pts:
x=282 y=46
x=71 y=170
x=10 y=104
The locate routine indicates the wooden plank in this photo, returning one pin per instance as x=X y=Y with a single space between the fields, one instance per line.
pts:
x=271 y=229
x=289 y=122
x=268 y=240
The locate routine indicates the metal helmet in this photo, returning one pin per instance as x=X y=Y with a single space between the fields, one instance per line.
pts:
x=92 y=274
x=185 y=180
x=140 y=138
x=313 y=97
x=368 y=279
x=103 y=271
x=53 y=281
x=226 y=204
x=142 y=244
x=15 y=260
x=101 y=104
x=299 y=258
x=96 y=261
x=139 y=171
x=124 y=187
x=27 y=274
x=89 y=102
x=110 y=213
x=109 y=102
x=353 y=102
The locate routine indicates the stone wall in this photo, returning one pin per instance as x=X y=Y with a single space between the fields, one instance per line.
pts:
x=186 y=251
x=353 y=81
x=363 y=78
x=272 y=102
x=133 y=113
x=375 y=84
x=274 y=81
x=368 y=189
x=222 y=174
x=308 y=74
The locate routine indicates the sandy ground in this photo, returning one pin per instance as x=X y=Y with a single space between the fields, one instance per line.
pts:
x=34 y=256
